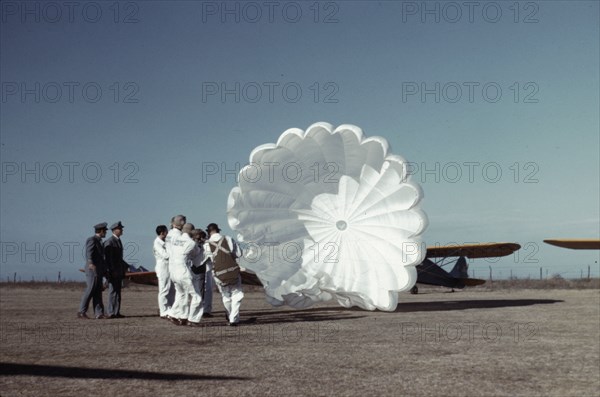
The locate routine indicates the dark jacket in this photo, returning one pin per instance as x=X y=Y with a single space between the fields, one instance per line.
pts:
x=113 y=253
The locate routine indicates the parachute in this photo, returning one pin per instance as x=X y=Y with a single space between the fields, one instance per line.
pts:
x=329 y=214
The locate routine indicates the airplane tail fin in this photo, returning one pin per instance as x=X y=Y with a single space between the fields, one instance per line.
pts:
x=460 y=269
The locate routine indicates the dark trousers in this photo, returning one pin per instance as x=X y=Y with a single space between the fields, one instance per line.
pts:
x=114 y=296
x=202 y=282
x=93 y=292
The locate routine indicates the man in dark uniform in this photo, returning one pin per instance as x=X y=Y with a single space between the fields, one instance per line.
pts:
x=95 y=269
x=117 y=267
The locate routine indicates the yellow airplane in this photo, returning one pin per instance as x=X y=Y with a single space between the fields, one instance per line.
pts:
x=576 y=244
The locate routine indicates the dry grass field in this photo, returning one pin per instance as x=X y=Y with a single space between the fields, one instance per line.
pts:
x=479 y=342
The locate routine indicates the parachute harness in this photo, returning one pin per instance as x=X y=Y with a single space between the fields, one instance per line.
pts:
x=219 y=248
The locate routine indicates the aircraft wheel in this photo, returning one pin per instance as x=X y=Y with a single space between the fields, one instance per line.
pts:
x=414 y=290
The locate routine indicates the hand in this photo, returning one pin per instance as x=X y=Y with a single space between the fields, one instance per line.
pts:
x=91 y=266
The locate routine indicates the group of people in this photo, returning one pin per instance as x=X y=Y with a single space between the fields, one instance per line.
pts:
x=104 y=260
x=188 y=262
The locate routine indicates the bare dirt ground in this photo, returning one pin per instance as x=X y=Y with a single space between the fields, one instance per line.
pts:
x=468 y=343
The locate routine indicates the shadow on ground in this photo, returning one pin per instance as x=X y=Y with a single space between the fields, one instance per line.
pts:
x=341 y=313
x=469 y=304
x=57 y=371
x=292 y=316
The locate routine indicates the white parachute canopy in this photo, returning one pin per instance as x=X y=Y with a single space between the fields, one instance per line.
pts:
x=329 y=214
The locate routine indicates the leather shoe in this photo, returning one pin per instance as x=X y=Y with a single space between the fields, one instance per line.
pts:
x=193 y=324
x=178 y=321
x=102 y=317
x=233 y=324
x=82 y=316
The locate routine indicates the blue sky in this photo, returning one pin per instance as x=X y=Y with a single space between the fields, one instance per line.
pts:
x=110 y=112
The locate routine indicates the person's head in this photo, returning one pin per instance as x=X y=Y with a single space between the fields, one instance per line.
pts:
x=187 y=228
x=178 y=221
x=100 y=229
x=117 y=228
x=212 y=228
x=161 y=232
x=198 y=236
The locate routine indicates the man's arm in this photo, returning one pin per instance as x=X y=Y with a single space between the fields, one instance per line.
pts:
x=160 y=251
x=109 y=255
x=168 y=245
x=235 y=248
x=189 y=250
x=124 y=265
x=89 y=250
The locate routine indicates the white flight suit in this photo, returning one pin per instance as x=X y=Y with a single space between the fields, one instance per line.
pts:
x=172 y=235
x=184 y=253
x=166 y=292
x=198 y=282
x=232 y=294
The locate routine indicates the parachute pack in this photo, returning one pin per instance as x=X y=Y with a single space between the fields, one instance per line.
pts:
x=225 y=269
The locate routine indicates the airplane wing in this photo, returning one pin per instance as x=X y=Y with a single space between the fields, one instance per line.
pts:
x=147 y=278
x=484 y=250
x=576 y=244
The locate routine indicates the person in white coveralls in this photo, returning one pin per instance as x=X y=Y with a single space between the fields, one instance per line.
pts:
x=166 y=291
x=184 y=254
x=177 y=223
